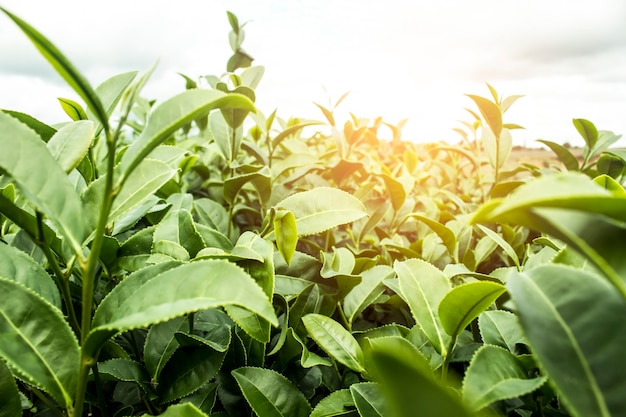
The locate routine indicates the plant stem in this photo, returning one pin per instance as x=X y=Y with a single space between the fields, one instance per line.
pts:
x=89 y=272
x=61 y=280
x=446 y=360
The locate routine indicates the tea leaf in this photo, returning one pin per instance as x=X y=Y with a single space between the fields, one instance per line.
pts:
x=70 y=144
x=588 y=132
x=271 y=394
x=187 y=370
x=180 y=410
x=73 y=109
x=367 y=291
x=173 y=114
x=496 y=374
x=338 y=403
x=63 y=67
x=26 y=159
x=144 y=298
x=42 y=129
x=37 y=342
x=550 y=301
x=110 y=93
x=286 y=233
x=19 y=267
x=564 y=155
x=335 y=340
x=423 y=286
x=446 y=235
x=502 y=243
x=161 y=344
x=501 y=328
x=409 y=384
x=322 y=208
x=465 y=302
x=10 y=404
x=491 y=112
x=119 y=369
x=369 y=399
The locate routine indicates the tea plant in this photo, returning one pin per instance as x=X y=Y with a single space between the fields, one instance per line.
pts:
x=171 y=259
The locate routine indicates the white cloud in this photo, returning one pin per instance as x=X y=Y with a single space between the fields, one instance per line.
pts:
x=399 y=58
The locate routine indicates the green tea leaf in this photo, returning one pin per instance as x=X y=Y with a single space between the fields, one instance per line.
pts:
x=63 y=67
x=367 y=291
x=369 y=399
x=19 y=267
x=37 y=342
x=42 y=129
x=143 y=299
x=39 y=177
x=447 y=236
x=506 y=247
x=270 y=394
x=149 y=176
x=73 y=109
x=173 y=114
x=395 y=190
x=10 y=404
x=574 y=323
x=465 y=302
x=110 y=93
x=119 y=369
x=496 y=374
x=286 y=234
x=178 y=226
x=491 y=113
x=501 y=328
x=588 y=132
x=322 y=208
x=408 y=382
x=335 y=340
x=564 y=155
x=338 y=403
x=70 y=144
x=188 y=369
x=161 y=344
x=423 y=286
x=180 y=410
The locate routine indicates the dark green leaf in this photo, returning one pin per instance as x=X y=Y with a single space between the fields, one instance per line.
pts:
x=10 y=404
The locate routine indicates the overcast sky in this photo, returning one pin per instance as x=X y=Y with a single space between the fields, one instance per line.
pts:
x=399 y=58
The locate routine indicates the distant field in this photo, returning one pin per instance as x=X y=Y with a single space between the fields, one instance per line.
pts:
x=536 y=156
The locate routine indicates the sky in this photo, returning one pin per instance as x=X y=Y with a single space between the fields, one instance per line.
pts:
x=399 y=59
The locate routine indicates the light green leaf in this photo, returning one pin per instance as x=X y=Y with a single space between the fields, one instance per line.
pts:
x=178 y=226
x=149 y=176
x=369 y=399
x=465 y=302
x=335 y=340
x=19 y=267
x=322 y=208
x=73 y=109
x=339 y=403
x=63 y=67
x=423 y=286
x=39 y=177
x=574 y=322
x=181 y=410
x=10 y=404
x=70 y=144
x=110 y=93
x=501 y=328
x=491 y=113
x=408 y=382
x=293 y=347
x=173 y=114
x=37 y=342
x=42 y=129
x=395 y=190
x=495 y=374
x=446 y=235
x=270 y=394
x=564 y=155
x=367 y=291
x=261 y=180
x=286 y=234
x=143 y=299
x=588 y=132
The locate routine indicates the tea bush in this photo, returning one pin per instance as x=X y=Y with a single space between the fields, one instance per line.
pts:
x=196 y=257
